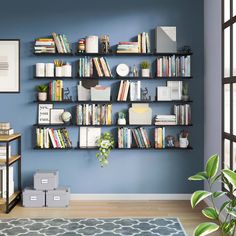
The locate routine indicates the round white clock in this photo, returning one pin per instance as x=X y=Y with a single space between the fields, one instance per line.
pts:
x=122 y=70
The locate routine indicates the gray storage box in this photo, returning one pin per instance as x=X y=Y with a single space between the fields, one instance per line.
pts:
x=58 y=198
x=46 y=180
x=33 y=198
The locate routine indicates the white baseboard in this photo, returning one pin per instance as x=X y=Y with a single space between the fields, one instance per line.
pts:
x=129 y=197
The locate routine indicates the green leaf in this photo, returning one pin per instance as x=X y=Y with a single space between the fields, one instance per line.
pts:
x=230 y=176
x=210 y=213
x=198 y=176
x=232 y=211
x=205 y=229
x=198 y=196
x=218 y=194
x=224 y=205
x=212 y=166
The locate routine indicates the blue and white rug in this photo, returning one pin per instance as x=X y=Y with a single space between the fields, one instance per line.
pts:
x=92 y=227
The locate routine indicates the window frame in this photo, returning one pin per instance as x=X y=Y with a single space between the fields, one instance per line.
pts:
x=228 y=80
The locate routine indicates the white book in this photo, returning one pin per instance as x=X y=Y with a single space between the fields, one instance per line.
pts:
x=4 y=181
x=93 y=134
x=83 y=137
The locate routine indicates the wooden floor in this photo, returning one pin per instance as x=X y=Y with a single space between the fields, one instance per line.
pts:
x=90 y=209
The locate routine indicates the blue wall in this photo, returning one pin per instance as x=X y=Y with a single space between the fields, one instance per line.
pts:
x=128 y=171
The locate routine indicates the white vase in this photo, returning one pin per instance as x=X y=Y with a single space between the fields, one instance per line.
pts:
x=42 y=96
x=145 y=72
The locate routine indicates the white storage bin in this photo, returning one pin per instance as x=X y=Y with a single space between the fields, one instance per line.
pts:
x=33 y=198
x=46 y=180
x=100 y=93
x=59 y=197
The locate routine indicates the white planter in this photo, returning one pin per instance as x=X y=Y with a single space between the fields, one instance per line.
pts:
x=121 y=121
x=42 y=96
x=145 y=72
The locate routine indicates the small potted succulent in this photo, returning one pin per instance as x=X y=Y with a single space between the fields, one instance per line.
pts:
x=185 y=96
x=145 y=66
x=105 y=144
x=42 y=92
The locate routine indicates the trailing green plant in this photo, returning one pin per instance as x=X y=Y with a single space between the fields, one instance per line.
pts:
x=145 y=65
x=225 y=224
x=105 y=144
x=185 y=89
x=42 y=88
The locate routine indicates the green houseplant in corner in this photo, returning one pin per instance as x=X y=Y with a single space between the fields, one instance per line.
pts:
x=223 y=223
x=105 y=145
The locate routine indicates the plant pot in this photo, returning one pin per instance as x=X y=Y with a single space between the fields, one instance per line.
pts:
x=185 y=97
x=42 y=96
x=145 y=72
x=121 y=121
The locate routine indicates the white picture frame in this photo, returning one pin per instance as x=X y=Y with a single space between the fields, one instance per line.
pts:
x=55 y=116
x=9 y=65
x=44 y=113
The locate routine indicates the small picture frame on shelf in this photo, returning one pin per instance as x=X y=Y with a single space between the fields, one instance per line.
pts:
x=44 y=113
x=55 y=116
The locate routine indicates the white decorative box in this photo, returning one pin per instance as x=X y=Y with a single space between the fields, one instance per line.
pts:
x=100 y=93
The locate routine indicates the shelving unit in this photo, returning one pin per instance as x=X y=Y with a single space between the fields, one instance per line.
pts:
x=113 y=101
x=11 y=201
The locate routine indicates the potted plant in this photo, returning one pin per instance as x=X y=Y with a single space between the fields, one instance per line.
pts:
x=42 y=92
x=145 y=66
x=223 y=223
x=121 y=118
x=105 y=144
x=185 y=96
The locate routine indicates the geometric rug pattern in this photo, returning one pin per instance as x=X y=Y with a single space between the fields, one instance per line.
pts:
x=92 y=227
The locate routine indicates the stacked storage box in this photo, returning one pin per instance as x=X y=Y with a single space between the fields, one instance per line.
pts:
x=46 y=192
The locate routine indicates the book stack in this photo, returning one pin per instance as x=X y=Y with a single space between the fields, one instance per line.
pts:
x=165 y=120
x=3 y=181
x=5 y=128
x=88 y=67
x=128 y=47
x=183 y=114
x=144 y=43
x=141 y=138
x=123 y=90
x=3 y=152
x=95 y=114
x=124 y=138
x=62 y=44
x=52 y=138
x=56 y=90
x=173 y=66
x=44 y=45
x=160 y=138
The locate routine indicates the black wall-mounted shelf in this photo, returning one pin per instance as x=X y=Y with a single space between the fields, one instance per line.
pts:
x=113 y=101
x=113 y=125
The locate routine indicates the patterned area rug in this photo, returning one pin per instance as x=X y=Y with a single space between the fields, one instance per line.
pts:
x=93 y=227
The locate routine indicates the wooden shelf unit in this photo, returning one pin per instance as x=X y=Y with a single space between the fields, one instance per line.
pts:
x=11 y=201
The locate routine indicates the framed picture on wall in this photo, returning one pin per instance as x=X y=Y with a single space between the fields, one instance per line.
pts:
x=55 y=116
x=44 y=113
x=9 y=65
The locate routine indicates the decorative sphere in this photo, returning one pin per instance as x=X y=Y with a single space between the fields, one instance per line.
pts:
x=66 y=116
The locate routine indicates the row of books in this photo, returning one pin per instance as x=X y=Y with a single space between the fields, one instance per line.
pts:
x=144 y=43
x=53 y=138
x=62 y=43
x=165 y=120
x=44 y=45
x=183 y=114
x=94 y=114
x=127 y=135
x=56 y=90
x=170 y=66
x=3 y=181
x=88 y=67
x=3 y=152
x=133 y=86
x=159 y=138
